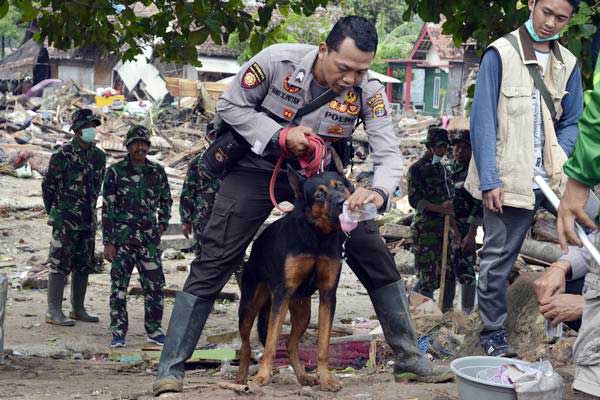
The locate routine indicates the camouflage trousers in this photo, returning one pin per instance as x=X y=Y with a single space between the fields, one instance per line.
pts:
x=428 y=237
x=463 y=264
x=208 y=186
x=147 y=261
x=72 y=250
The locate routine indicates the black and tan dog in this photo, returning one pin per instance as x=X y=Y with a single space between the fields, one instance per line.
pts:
x=295 y=256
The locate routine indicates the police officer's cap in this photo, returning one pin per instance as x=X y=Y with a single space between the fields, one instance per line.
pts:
x=436 y=136
x=82 y=117
x=462 y=135
x=137 y=132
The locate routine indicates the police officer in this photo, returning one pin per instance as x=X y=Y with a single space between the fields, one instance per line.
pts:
x=430 y=194
x=261 y=105
x=197 y=199
x=135 y=190
x=468 y=214
x=70 y=190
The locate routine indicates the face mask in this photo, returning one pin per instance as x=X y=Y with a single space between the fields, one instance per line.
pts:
x=436 y=159
x=88 y=134
x=535 y=36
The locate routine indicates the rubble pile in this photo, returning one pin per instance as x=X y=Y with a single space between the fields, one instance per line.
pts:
x=32 y=127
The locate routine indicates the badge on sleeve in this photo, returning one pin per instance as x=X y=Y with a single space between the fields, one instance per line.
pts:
x=253 y=77
x=377 y=106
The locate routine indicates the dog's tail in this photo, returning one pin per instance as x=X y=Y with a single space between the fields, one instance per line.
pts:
x=262 y=324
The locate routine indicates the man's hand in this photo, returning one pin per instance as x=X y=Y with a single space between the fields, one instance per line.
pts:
x=296 y=142
x=571 y=208
x=363 y=196
x=447 y=208
x=552 y=282
x=493 y=199
x=187 y=230
x=110 y=252
x=562 y=308
x=161 y=229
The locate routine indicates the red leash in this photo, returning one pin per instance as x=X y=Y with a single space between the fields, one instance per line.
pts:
x=312 y=163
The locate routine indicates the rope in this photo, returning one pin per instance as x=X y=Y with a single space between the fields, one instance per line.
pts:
x=312 y=163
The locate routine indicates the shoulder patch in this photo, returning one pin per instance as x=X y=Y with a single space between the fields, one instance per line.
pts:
x=253 y=77
x=377 y=106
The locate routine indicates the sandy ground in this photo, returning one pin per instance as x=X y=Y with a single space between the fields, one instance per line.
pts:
x=49 y=362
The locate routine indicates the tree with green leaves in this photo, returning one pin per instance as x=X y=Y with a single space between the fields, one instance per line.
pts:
x=294 y=28
x=11 y=29
x=174 y=29
x=396 y=36
x=488 y=20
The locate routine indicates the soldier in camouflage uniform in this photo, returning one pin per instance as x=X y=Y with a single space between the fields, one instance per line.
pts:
x=468 y=214
x=430 y=194
x=70 y=191
x=135 y=190
x=197 y=199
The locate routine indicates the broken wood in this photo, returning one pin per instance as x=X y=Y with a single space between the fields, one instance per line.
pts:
x=138 y=291
x=334 y=328
x=51 y=128
x=392 y=231
x=241 y=389
x=444 y=262
x=188 y=154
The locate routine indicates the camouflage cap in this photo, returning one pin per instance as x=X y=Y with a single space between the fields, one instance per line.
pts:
x=436 y=136
x=83 y=117
x=461 y=135
x=137 y=132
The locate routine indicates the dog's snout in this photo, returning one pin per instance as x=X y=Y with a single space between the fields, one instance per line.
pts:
x=338 y=202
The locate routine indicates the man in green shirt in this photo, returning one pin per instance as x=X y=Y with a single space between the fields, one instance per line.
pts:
x=583 y=169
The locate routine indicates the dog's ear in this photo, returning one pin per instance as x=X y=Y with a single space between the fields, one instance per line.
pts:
x=337 y=161
x=296 y=182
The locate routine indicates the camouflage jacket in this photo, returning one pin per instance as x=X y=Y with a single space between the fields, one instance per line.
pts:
x=428 y=182
x=71 y=186
x=194 y=191
x=132 y=198
x=467 y=209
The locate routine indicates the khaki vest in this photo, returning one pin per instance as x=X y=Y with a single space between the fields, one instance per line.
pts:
x=514 y=140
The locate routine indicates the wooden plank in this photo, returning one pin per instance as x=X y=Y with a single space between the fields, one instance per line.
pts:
x=208 y=356
x=138 y=291
x=392 y=231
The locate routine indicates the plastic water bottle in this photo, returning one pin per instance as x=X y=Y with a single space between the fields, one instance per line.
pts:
x=363 y=213
x=350 y=219
x=553 y=332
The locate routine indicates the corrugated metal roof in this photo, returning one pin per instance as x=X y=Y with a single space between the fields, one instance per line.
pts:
x=219 y=64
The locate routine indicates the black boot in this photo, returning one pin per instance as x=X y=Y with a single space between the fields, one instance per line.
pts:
x=185 y=327
x=467 y=295
x=56 y=287
x=79 y=284
x=391 y=306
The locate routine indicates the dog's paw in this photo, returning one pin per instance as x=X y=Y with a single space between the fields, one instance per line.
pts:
x=328 y=383
x=242 y=380
x=262 y=379
x=308 y=380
